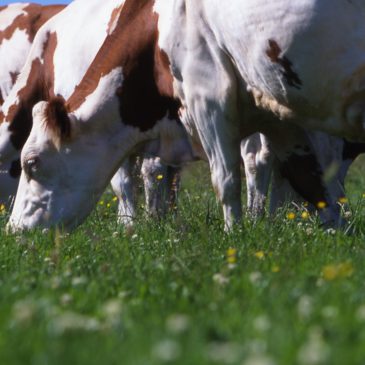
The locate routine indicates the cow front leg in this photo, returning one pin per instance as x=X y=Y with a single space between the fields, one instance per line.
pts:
x=221 y=142
x=123 y=184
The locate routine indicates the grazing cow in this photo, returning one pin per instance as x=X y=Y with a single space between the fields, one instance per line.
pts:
x=18 y=25
x=64 y=56
x=276 y=52
x=124 y=100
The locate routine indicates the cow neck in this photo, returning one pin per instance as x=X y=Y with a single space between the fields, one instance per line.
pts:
x=146 y=93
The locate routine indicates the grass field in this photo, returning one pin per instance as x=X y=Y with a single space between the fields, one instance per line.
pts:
x=182 y=291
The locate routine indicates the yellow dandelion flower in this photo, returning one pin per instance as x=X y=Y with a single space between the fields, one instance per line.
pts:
x=115 y=199
x=305 y=215
x=159 y=177
x=260 y=255
x=2 y=208
x=290 y=216
x=231 y=255
x=101 y=202
x=108 y=205
x=329 y=272
x=231 y=251
x=334 y=271
x=306 y=204
x=343 y=200
x=321 y=205
x=363 y=195
x=275 y=268
x=231 y=259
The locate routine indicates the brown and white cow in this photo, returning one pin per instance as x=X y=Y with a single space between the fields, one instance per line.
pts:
x=69 y=58
x=124 y=100
x=18 y=25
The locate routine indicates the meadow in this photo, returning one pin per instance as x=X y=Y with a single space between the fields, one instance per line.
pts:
x=280 y=291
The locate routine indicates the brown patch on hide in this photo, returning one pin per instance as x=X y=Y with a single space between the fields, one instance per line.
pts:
x=146 y=93
x=39 y=86
x=13 y=76
x=291 y=77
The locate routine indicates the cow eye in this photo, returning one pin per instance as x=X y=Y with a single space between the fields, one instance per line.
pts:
x=31 y=166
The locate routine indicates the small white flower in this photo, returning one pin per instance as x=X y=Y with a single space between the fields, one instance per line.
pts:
x=262 y=323
x=259 y=359
x=255 y=277
x=360 y=313
x=177 y=323
x=305 y=307
x=79 y=281
x=315 y=351
x=166 y=350
x=220 y=279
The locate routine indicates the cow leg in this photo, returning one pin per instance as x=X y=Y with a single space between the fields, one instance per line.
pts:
x=248 y=154
x=258 y=164
x=123 y=184
x=221 y=142
x=264 y=161
x=173 y=185
x=161 y=183
x=299 y=164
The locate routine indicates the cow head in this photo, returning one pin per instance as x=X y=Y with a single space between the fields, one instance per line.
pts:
x=66 y=166
x=67 y=163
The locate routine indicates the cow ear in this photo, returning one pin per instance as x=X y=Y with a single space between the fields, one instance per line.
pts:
x=58 y=119
x=54 y=117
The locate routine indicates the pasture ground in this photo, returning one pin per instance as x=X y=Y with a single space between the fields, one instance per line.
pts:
x=281 y=291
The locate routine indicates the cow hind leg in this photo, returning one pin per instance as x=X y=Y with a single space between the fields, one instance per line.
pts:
x=299 y=164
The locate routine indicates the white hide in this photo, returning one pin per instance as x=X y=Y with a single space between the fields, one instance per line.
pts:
x=251 y=51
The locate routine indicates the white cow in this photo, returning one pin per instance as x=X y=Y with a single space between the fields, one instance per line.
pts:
x=275 y=51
